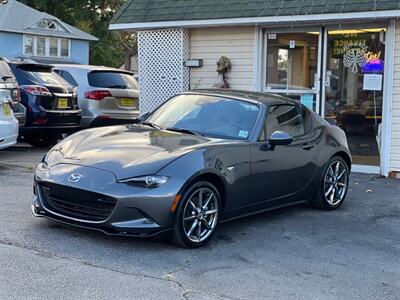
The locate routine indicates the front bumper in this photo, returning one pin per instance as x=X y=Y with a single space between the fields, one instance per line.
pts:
x=137 y=211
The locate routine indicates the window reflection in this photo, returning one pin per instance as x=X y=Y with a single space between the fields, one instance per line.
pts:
x=354 y=89
x=292 y=60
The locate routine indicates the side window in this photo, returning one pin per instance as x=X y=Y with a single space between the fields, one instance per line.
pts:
x=287 y=118
x=67 y=76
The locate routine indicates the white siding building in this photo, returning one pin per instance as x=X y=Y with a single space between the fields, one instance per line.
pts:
x=395 y=142
x=343 y=61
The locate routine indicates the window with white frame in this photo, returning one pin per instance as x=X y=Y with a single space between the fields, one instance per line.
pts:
x=47 y=24
x=64 y=46
x=53 y=47
x=29 y=42
x=46 y=46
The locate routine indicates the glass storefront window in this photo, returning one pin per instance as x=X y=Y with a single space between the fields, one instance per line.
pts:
x=292 y=61
x=354 y=89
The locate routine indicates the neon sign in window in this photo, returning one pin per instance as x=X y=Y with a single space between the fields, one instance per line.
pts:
x=374 y=63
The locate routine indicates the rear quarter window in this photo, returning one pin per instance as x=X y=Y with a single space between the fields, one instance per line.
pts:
x=112 y=80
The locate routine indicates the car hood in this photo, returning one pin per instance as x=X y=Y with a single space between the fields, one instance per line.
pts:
x=127 y=151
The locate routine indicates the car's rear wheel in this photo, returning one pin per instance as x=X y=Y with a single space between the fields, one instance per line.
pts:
x=197 y=215
x=334 y=185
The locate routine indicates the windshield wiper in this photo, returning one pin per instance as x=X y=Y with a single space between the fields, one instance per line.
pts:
x=150 y=125
x=5 y=78
x=184 y=130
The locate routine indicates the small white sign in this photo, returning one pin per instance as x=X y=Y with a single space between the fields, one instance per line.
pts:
x=272 y=36
x=292 y=44
x=373 y=82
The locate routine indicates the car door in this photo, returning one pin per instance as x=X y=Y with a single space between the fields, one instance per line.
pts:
x=279 y=174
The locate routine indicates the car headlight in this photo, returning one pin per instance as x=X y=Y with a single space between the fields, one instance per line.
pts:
x=43 y=163
x=150 y=181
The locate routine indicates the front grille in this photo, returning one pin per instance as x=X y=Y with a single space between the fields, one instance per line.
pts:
x=76 y=203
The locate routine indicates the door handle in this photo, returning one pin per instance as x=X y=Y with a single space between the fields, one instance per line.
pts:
x=308 y=146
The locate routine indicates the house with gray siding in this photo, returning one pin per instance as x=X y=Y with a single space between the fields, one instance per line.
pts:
x=29 y=33
x=341 y=58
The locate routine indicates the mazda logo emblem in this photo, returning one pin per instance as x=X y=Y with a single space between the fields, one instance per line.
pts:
x=74 y=178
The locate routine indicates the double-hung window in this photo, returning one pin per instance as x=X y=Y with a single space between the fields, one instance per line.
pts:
x=46 y=46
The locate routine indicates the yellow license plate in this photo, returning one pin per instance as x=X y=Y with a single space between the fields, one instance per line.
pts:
x=6 y=110
x=127 y=102
x=63 y=103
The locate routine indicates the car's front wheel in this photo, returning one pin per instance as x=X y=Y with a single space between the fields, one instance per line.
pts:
x=197 y=215
x=334 y=185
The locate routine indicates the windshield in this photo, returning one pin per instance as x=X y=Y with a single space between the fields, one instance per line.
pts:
x=208 y=115
x=112 y=80
x=48 y=78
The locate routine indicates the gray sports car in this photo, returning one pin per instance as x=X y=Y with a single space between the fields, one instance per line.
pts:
x=202 y=158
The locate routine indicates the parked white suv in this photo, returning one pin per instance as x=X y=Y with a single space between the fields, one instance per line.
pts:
x=8 y=123
x=106 y=96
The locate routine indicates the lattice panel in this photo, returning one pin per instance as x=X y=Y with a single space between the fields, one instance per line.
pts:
x=161 y=71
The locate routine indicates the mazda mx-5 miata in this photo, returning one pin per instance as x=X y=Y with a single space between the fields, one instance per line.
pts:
x=202 y=158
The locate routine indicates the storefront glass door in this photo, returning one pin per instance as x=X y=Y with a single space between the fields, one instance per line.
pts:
x=354 y=89
x=293 y=65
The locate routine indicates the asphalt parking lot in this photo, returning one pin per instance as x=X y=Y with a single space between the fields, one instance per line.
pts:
x=291 y=253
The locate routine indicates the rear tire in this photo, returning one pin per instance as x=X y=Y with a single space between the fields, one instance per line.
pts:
x=333 y=186
x=197 y=215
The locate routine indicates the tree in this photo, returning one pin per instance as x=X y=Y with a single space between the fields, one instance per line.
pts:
x=92 y=16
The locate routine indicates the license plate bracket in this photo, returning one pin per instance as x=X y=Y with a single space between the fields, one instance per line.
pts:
x=127 y=102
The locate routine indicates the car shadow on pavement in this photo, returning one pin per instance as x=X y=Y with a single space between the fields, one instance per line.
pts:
x=227 y=233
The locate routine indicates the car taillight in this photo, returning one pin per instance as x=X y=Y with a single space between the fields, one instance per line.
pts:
x=36 y=90
x=40 y=121
x=97 y=95
x=17 y=95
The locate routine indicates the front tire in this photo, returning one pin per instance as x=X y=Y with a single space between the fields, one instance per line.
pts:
x=197 y=215
x=334 y=185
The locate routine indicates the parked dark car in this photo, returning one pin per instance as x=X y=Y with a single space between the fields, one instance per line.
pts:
x=8 y=82
x=202 y=158
x=51 y=103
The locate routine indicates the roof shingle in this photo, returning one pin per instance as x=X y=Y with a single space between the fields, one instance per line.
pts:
x=139 y=11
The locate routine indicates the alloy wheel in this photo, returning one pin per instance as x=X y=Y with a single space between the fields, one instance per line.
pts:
x=336 y=183
x=200 y=215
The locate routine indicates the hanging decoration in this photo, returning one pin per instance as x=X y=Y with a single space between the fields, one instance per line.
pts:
x=355 y=56
x=224 y=65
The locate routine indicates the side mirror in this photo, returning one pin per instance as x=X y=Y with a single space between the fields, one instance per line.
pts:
x=280 y=138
